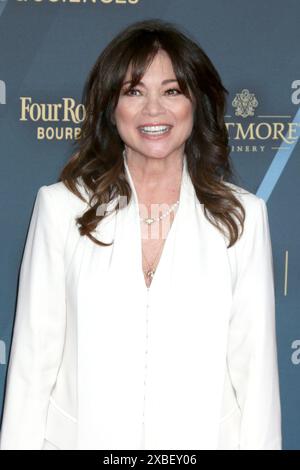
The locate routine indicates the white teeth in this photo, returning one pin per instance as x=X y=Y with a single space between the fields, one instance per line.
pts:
x=155 y=129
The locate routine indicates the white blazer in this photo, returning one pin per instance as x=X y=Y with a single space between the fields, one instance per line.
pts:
x=100 y=361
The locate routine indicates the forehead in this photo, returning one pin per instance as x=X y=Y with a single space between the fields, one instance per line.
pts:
x=160 y=65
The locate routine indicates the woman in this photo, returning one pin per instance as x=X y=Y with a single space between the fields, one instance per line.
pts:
x=145 y=316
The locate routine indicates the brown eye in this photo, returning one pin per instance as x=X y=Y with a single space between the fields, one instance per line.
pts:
x=129 y=90
x=174 y=89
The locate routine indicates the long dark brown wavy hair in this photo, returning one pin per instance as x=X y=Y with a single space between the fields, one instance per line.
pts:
x=98 y=161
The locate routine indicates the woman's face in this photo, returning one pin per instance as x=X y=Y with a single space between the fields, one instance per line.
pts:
x=154 y=102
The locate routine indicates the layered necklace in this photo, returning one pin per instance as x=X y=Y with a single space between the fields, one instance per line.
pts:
x=150 y=271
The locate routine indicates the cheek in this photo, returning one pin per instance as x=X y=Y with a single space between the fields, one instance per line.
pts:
x=186 y=117
x=123 y=113
x=184 y=111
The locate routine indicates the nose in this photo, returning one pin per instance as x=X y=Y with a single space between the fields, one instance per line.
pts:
x=153 y=104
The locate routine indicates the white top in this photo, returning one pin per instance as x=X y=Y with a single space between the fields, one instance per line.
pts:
x=100 y=361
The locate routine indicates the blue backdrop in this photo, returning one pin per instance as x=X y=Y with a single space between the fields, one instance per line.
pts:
x=47 y=48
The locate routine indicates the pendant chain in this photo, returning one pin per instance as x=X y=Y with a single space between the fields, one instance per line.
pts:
x=150 y=271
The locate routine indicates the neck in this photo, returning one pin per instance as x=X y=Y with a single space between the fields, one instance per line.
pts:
x=152 y=174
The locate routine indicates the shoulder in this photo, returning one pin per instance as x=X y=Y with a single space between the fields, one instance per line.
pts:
x=54 y=218
x=256 y=231
x=65 y=201
x=256 y=224
x=252 y=203
x=56 y=209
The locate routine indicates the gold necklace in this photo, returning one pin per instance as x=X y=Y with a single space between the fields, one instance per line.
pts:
x=150 y=220
x=150 y=271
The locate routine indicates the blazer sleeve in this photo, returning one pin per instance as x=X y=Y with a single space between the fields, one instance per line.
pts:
x=39 y=330
x=252 y=350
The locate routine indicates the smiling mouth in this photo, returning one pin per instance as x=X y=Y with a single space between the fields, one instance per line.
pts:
x=155 y=130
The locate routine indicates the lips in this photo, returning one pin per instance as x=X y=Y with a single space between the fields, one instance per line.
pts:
x=155 y=135
x=150 y=124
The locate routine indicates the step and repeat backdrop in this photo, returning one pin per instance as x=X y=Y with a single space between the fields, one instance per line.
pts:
x=47 y=48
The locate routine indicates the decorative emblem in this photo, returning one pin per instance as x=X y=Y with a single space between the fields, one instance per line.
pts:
x=245 y=103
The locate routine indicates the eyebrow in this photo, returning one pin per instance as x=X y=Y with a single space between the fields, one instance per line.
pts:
x=169 y=80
